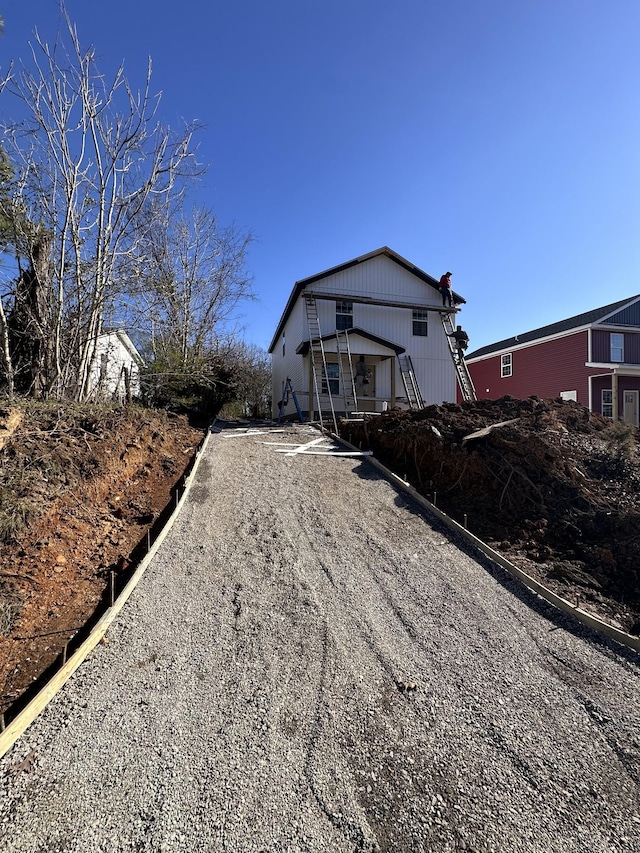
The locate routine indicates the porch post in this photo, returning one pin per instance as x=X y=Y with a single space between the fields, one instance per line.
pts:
x=393 y=381
x=614 y=394
x=311 y=389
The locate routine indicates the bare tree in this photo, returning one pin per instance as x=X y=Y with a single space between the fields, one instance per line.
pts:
x=252 y=369
x=192 y=278
x=89 y=159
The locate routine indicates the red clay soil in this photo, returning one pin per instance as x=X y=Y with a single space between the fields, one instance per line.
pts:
x=555 y=489
x=79 y=488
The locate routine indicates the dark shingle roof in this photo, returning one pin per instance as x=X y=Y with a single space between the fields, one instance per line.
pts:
x=585 y=319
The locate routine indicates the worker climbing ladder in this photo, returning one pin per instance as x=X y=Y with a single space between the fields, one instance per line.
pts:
x=318 y=362
x=462 y=371
x=410 y=382
x=345 y=372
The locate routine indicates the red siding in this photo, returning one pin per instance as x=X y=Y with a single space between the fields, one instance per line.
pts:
x=544 y=369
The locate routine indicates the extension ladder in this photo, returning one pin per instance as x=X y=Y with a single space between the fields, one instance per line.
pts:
x=462 y=371
x=347 y=381
x=410 y=382
x=318 y=361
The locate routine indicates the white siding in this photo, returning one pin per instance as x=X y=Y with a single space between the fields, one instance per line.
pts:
x=290 y=365
x=383 y=279
x=379 y=278
x=112 y=358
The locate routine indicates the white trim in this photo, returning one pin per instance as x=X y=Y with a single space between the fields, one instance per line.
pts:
x=615 y=367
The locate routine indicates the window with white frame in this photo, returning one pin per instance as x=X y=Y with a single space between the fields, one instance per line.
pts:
x=331 y=379
x=344 y=315
x=506 y=365
x=420 y=323
x=617 y=347
x=607 y=403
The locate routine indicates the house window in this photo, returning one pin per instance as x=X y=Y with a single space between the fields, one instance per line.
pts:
x=344 y=315
x=607 y=403
x=569 y=395
x=284 y=345
x=330 y=380
x=617 y=347
x=506 y=365
x=420 y=323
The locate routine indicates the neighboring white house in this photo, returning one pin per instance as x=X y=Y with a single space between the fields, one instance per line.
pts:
x=115 y=373
x=390 y=309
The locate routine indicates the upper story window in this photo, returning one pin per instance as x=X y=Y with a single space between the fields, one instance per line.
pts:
x=284 y=345
x=344 y=315
x=617 y=347
x=420 y=323
x=506 y=365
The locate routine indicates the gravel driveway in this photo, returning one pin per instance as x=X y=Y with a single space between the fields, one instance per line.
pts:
x=257 y=691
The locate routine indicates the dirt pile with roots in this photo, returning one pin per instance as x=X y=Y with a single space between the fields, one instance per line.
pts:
x=548 y=484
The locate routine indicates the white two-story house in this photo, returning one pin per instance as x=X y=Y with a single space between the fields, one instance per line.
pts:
x=389 y=309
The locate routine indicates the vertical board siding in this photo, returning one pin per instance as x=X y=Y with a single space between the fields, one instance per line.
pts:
x=601 y=346
x=377 y=278
x=544 y=369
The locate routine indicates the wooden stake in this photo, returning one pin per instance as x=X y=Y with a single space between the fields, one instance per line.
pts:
x=112 y=594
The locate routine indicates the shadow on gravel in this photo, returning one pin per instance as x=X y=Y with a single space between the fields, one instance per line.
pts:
x=513 y=585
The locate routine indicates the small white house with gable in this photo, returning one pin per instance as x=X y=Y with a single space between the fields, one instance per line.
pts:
x=115 y=372
x=370 y=313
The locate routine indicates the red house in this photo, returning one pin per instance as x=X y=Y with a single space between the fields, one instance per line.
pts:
x=593 y=358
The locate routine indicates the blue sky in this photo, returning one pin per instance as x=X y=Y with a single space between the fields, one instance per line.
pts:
x=497 y=139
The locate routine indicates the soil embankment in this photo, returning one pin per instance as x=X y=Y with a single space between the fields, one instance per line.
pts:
x=551 y=486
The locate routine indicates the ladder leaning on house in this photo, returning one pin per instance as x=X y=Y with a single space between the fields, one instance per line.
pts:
x=345 y=376
x=318 y=361
x=462 y=371
x=410 y=382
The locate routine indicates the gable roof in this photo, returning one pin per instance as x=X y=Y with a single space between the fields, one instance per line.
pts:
x=303 y=348
x=300 y=285
x=126 y=342
x=626 y=312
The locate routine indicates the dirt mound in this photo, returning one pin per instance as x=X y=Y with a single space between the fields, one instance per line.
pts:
x=548 y=484
x=79 y=487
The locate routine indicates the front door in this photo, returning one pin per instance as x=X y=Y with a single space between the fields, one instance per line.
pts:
x=630 y=409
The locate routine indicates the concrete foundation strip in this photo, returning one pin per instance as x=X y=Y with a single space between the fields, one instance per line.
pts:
x=561 y=603
x=23 y=720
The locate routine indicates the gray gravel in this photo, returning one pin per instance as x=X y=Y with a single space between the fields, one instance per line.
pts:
x=253 y=694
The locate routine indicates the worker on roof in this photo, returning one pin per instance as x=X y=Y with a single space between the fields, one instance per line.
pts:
x=445 y=288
